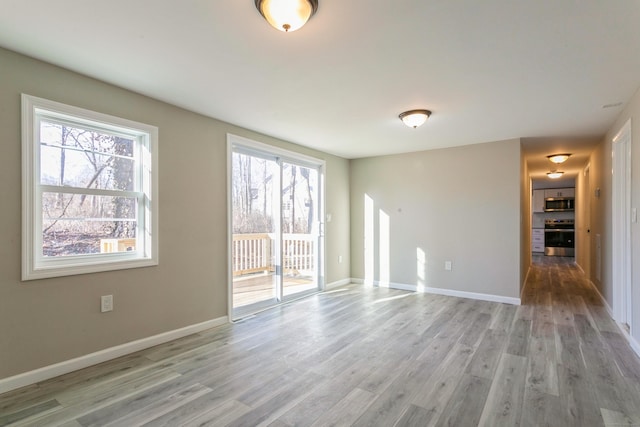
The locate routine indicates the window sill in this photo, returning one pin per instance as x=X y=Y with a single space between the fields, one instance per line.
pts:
x=57 y=270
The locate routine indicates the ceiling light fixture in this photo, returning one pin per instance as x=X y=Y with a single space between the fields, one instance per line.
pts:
x=414 y=118
x=558 y=158
x=554 y=175
x=287 y=15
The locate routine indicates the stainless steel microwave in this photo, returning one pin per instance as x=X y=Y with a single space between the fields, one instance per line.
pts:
x=559 y=204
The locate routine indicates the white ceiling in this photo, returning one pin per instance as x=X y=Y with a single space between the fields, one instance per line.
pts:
x=489 y=70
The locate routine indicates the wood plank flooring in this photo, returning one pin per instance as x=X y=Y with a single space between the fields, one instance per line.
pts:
x=369 y=357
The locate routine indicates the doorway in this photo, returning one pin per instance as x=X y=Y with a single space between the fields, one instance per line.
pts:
x=275 y=243
x=621 y=206
x=584 y=256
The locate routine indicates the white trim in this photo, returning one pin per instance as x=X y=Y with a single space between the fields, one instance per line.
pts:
x=272 y=149
x=400 y=286
x=357 y=281
x=322 y=225
x=620 y=207
x=580 y=267
x=338 y=283
x=447 y=292
x=526 y=281
x=51 y=371
x=229 y=229
x=635 y=345
x=474 y=295
x=604 y=301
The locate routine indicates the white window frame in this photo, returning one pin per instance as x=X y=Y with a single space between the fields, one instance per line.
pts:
x=37 y=266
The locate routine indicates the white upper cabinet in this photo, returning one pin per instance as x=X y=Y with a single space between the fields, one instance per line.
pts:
x=537 y=202
x=559 y=192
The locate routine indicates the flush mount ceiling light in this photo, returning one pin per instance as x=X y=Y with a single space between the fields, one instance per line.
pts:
x=287 y=15
x=558 y=158
x=414 y=118
x=554 y=175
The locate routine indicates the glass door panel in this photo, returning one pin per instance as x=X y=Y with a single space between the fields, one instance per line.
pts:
x=255 y=199
x=300 y=233
x=276 y=236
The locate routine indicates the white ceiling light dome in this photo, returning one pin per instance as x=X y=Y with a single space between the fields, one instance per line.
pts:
x=414 y=118
x=558 y=158
x=287 y=15
x=554 y=175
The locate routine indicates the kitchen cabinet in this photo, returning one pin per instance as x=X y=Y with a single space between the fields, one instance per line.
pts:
x=537 y=240
x=537 y=202
x=560 y=192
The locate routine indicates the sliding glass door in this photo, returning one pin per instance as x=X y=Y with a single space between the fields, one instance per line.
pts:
x=276 y=241
x=300 y=235
x=255 y=198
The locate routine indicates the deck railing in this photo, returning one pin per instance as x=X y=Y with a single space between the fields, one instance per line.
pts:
x=252 y=253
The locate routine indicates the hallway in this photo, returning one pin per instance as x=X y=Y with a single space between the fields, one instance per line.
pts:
x=581 y=367
x=369 y=357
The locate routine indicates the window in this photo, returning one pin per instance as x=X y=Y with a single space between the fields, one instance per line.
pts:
x=89 y=191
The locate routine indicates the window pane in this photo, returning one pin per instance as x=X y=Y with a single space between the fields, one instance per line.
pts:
x=85 y=159
x=74 y=224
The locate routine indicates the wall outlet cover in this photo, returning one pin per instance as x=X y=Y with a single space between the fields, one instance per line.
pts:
x=106 y=303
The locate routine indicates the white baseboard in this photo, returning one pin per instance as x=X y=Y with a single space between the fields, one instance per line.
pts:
x=635 y=345
x=51 y=371
x=474 y=295
x=447 y=292
x=357 y=281
x=337 y=283
x=526 y=281
x=604 y=301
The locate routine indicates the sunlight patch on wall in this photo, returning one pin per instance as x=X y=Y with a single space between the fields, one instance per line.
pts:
x=384 y=249
x=421 y=269
x=369 y=241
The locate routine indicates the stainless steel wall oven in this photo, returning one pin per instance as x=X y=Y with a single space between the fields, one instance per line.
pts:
x=559 y=237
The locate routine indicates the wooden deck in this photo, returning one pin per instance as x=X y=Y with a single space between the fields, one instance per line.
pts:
x=260 y=287
x=369 y=357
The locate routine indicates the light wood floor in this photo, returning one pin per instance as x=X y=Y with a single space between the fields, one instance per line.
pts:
x=369 y=357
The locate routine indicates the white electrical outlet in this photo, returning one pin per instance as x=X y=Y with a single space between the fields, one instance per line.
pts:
x=447 y=265
x=106 y=303
x=340 y=259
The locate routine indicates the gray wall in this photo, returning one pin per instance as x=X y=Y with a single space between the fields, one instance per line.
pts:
x=460 y=204
x=600 y=209
x=47 y=321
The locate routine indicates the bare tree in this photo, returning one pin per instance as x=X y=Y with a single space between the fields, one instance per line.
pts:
x=305 y=173
x=123 y=180
x=293 y=198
